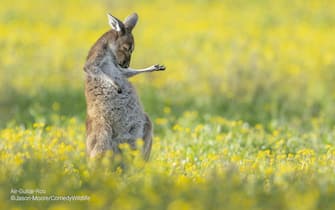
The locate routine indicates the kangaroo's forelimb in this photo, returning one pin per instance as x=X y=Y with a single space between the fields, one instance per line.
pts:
x=129 y=72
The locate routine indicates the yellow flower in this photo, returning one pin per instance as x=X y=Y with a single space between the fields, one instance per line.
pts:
x=167 y=110
x=161 y=121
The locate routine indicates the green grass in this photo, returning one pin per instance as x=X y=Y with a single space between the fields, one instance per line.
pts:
x=243 y=115
x=217 y=164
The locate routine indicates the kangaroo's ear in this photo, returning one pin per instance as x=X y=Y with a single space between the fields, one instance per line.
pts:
x=115 y=23
x=131 y=21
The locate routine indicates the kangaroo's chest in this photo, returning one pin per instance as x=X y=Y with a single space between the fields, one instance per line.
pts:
x=126 y=95
x=117 y=103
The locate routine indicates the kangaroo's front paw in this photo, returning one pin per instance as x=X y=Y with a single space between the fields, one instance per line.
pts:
x=159 y=67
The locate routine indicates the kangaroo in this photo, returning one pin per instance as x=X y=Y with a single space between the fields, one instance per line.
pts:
x=114 y=112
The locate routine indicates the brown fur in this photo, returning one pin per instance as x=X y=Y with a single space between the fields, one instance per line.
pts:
x=114 y=112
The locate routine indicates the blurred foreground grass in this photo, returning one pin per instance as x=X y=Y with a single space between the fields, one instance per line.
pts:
x=243 y=115
x=217 y=164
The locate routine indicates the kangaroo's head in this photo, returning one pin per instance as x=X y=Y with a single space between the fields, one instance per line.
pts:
x=122 y=44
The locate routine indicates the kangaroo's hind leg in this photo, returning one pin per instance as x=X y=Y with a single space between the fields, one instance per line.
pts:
x=147 y=138
x=99 y=139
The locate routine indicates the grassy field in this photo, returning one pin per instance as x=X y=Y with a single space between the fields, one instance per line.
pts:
x=244 y=114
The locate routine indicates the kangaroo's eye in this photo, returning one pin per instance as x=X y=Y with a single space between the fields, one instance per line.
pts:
x=126 y=47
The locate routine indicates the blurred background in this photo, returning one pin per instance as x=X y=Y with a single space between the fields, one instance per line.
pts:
x=266 y=62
